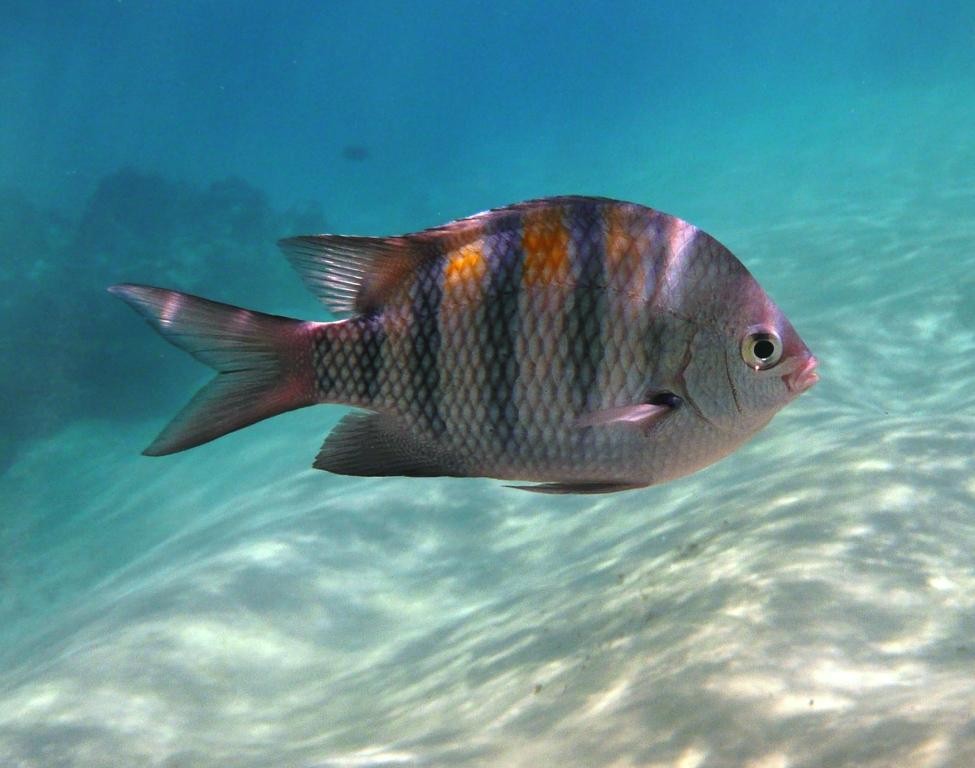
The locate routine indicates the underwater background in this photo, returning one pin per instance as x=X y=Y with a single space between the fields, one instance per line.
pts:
x=809 y=601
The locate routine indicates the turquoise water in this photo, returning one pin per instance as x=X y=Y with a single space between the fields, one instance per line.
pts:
x=809 y=601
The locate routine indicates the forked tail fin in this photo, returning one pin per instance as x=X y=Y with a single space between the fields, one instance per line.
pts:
x=263 y=363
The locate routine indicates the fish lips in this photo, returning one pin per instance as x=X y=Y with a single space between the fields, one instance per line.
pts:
x=802 y=377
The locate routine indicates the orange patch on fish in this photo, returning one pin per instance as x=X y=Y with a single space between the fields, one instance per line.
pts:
x=618 y=246
x=545 y=242
x=465 y=265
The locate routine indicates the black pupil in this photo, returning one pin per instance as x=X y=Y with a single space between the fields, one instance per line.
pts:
x=764 y=349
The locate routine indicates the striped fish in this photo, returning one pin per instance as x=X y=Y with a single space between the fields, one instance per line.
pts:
x=584 y=344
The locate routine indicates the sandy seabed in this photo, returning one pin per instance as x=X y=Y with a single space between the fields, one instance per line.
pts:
x=809 y=601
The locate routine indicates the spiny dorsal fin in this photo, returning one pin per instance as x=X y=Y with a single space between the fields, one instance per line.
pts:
x=354 y=274
x=359 y=274
x=351 y=273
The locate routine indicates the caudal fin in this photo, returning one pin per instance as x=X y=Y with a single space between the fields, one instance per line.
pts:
x=262 y=362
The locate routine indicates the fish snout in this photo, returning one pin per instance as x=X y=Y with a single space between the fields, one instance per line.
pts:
x=803 y=377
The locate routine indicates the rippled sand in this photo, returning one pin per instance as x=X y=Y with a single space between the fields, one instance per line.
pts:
x=807 y=602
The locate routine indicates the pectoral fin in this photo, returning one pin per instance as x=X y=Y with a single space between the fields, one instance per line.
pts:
x=661 y=405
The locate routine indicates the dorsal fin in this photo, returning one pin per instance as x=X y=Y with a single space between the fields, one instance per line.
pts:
x=359 y=274
x=354 y=274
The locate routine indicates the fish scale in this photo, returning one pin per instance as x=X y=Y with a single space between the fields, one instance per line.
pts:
x=583 y=343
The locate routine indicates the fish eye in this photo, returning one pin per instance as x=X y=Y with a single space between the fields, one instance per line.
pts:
x=761 y=348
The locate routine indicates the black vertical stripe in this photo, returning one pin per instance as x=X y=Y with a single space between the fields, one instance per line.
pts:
x=586 y=308
x=501 y=324
x=369 y=357
x=425 y=344
x=322 y=362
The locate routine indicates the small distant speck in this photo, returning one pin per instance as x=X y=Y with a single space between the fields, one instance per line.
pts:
x=810 y=702
x=537 y=689
x=355 y=152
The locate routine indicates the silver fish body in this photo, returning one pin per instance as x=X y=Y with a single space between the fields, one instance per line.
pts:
x=582 y=343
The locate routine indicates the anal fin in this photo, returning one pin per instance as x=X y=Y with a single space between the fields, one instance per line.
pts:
x=378 y=445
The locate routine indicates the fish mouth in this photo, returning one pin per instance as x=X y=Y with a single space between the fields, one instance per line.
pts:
x=801 y=379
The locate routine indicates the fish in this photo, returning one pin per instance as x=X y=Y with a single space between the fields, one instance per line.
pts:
x=566 y=344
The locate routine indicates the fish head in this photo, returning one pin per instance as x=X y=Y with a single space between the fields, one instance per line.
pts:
x=745 y=361
x=728 y=354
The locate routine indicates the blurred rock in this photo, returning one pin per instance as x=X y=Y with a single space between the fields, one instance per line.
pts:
x=69 y=349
